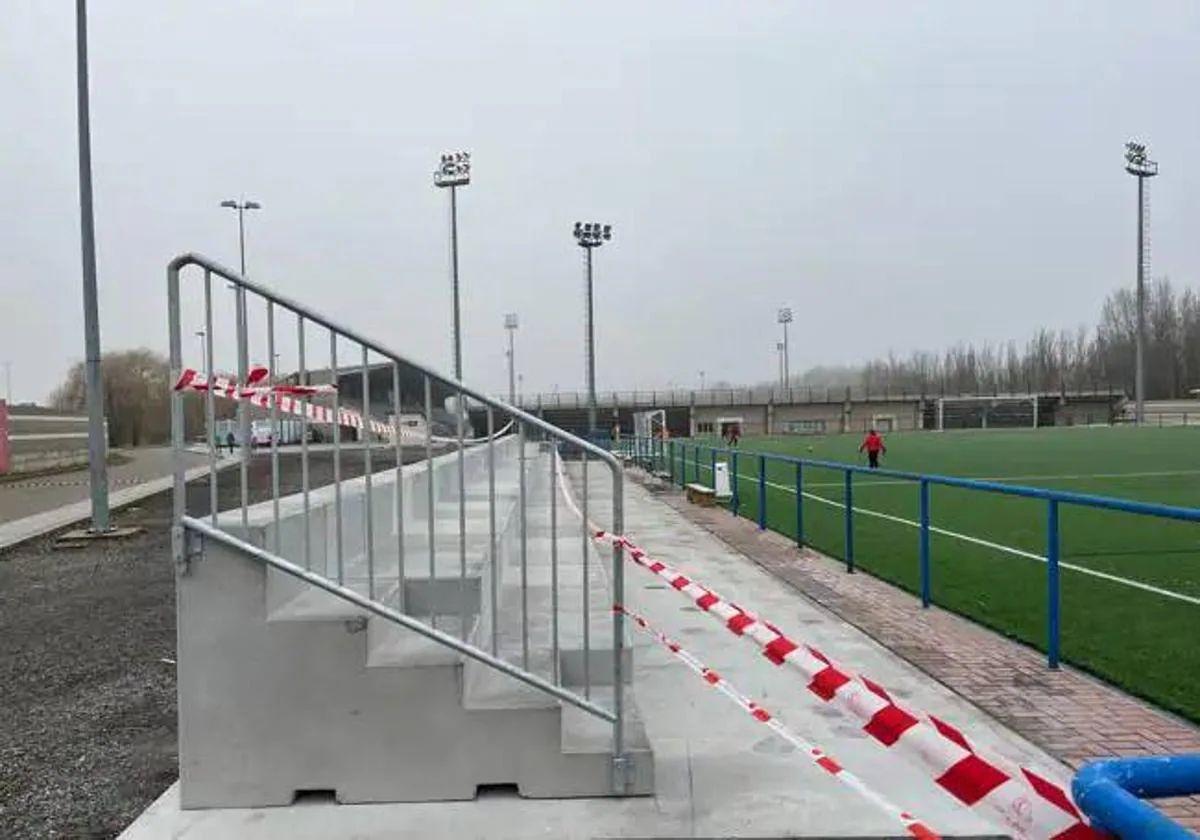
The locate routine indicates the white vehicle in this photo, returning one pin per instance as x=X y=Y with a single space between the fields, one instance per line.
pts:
x=262 y=432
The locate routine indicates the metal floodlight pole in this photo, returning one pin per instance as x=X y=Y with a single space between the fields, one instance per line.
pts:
x=97 y=446
x=243 y=326
x=510 y=324
x=1141 y=167
x=454 y=171
x=784 y=317
x=591 y=235
x=8 y=382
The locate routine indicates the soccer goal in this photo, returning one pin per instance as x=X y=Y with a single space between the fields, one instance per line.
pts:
x=650 y=424
x=1012 y=411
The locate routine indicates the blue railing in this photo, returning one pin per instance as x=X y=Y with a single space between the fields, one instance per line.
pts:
x=1111 y=793
x=672 y=456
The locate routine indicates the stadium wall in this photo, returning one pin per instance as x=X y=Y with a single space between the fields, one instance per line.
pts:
x=34 y=439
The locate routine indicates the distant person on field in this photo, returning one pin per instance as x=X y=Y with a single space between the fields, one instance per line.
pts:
x=230 y=440
x=735 y=432
x=873 y=445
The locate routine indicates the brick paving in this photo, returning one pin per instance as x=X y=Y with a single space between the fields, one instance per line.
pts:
x=1069 y=714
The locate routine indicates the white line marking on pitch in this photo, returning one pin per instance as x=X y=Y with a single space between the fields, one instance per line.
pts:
x=1075 y=477
x=1007 y=549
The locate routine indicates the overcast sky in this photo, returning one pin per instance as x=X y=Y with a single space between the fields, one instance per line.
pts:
x=902 y=175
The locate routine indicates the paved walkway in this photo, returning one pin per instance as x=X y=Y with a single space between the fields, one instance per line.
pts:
x=718 y=771
x=1071 y=715
x=35 y=506
x=22 y=497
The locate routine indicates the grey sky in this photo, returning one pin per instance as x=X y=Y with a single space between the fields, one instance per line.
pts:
x=902 y=175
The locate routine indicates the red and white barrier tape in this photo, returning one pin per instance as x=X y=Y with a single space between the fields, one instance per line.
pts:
x=1027 y=803
x=285 y=397
x=817 y=756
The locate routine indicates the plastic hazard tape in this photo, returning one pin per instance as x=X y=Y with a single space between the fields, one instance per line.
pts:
x=287 y=399
x=819 y=757
x=1028 y=804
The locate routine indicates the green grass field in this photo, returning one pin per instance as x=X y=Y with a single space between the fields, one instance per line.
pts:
x=985 y=552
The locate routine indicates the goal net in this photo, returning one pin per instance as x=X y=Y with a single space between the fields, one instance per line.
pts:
x=650 y=424
x=1016 y=411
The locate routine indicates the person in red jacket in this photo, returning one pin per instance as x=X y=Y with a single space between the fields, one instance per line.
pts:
x=873 y=445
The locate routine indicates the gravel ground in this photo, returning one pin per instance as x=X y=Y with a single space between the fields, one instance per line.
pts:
x=87 y=647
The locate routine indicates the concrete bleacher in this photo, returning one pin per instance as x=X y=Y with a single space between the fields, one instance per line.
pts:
x=285 y=688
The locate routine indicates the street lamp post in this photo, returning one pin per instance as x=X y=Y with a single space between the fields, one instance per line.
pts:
x=784 y=317
x=779 y=360
x=591 y=235
x=701 y=380
x=510 y=324
x=97 y=449
x=1141 y=167
x=454 y=171
x=200 y=334
x=243 y=343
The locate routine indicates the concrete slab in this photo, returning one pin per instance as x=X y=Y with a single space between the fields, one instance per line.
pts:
x=718 y=771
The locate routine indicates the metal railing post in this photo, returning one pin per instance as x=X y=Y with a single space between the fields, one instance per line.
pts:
x=179 y=498
x=620 y=763
x=799 y=504
x=924 y=544
x=368 y=497
x=1052 y=584
x=337 y=456
x=848 y=501
x=210 y=410
x=762 y=492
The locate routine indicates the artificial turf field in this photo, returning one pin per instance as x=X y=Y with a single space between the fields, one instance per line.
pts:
x=984 y=555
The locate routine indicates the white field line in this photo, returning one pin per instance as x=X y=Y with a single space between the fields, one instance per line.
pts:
x=1007 y=549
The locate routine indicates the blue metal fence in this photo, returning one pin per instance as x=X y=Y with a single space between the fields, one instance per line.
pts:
x=672 y=457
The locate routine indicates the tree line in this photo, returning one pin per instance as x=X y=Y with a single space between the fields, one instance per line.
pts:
x=137 y=397
x=1080 y=360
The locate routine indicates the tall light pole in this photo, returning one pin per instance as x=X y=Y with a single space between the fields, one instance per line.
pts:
x=97 y=448
x=591 y=235
x=453 y=172
x=8 y=382
x=784 y=316
x=243 y=327
x=1141 y=167
x=200 y=334
x=241 y=207
x=510 y=324
x=701 y=380
x=779 y=360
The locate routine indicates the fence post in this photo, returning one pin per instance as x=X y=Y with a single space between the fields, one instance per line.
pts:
x=697 y=463
x=762 y=492
x=713 y=464
x=671 y=460
x=925 y=583
x=1052 y=585
x=799 y=505
x=848 y=500
x=734 y=499
x=683 y=465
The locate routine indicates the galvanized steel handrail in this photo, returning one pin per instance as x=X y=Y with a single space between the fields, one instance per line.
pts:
x=523 y=421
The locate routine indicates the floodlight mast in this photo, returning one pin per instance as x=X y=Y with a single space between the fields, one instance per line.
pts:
x=1141 y=167
x=590 y=235
x=454 y=171
x=785 y=317
x=510 y=324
